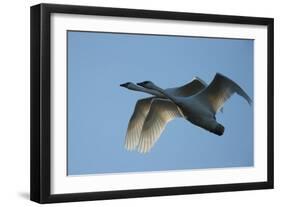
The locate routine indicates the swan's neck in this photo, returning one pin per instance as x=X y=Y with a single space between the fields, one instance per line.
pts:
x=145 y=90
x=167 y=94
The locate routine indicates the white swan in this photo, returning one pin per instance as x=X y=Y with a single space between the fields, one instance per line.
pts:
x=143 y=106
x=200 y=109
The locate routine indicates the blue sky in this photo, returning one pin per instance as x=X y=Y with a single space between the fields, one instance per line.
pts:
x=99 y=109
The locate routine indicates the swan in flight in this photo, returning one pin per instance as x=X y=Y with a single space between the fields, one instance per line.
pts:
x=152 y=106
x=200 y=109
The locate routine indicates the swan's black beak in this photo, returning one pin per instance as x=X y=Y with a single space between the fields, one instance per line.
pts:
x=142 y=83
x=123 y=85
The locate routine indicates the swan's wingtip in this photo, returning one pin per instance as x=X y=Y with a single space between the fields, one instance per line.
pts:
x=129 y=148
x=250 y=102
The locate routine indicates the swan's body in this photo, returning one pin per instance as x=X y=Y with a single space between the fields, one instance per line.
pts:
x=147 y=109
x=201 y=108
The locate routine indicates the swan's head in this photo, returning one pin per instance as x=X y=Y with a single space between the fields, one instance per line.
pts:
x=131 y=86
x=147 y=84
x=127 y=85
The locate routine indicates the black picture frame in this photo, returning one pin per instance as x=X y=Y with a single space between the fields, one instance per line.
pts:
x=40 y=184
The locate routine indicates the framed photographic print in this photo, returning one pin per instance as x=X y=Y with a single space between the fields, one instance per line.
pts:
x=132 y=103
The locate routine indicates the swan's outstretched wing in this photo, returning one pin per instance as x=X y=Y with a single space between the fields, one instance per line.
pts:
x=219 y=91
x=188 y=89
x=136 y=121
x=161 y=112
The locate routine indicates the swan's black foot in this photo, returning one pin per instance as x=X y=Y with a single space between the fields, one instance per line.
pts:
x=219 y=130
